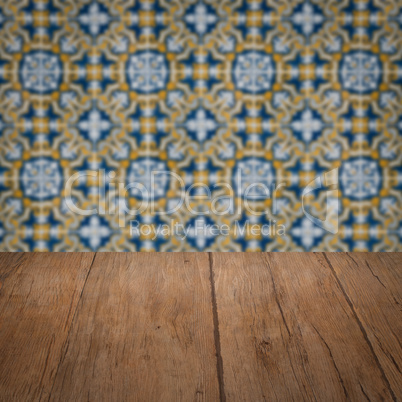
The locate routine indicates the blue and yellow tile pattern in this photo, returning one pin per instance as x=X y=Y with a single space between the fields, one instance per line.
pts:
x=280 y=91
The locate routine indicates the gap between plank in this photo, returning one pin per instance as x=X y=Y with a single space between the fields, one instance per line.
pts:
x=219 y=360
x=360 y=326
x=69 y=329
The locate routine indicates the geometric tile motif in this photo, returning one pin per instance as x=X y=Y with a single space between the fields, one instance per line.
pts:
x=279 y=92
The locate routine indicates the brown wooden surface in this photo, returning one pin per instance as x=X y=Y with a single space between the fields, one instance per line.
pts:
x=38 y=300
x=372 y=286
x=198 y=326
x=144 y=331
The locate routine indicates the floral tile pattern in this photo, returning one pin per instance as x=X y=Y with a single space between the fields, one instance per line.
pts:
x=296 y=95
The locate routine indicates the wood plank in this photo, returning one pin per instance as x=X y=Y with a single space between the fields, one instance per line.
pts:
x=372 y=283
x=288 y=333
x=143 y=331
x=38 y=297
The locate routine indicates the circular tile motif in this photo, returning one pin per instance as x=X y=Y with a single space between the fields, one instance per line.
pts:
x=360 y=179
x=253 y=178
x=360 y=72
x=41 y=72
x=148 y=178
x=41 y=179
x=253 y=72
x=147 y=72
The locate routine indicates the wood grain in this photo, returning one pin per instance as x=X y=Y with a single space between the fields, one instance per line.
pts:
x=143 y=331
x=288 y=333
x=372 y=285
x=38 y=299
x=197 y=326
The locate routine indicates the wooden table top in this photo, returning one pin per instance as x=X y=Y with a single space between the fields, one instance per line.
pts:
x=200 y=326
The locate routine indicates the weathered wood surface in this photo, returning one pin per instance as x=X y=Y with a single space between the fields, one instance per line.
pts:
x=288 y=333
x=144 y=331
x=198 y=326
x=38 y=300
x=372 y=283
